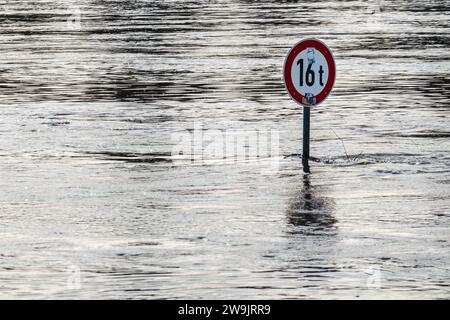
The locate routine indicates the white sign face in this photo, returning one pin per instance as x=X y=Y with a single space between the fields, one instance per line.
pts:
x=309 y=72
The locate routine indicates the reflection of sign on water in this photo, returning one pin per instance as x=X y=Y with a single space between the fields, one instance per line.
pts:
x=310 y=209
x=309 y=72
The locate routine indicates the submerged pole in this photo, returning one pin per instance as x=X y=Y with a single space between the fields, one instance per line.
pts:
x=305 y=155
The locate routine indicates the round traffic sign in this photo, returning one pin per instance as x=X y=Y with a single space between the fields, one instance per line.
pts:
x=309 y=72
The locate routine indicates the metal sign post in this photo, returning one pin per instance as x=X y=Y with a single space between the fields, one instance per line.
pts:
x=305 y=154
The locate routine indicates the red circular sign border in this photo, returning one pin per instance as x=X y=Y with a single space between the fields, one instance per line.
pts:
x=299 y=47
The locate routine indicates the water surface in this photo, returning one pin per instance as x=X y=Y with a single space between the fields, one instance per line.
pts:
x=96 y=95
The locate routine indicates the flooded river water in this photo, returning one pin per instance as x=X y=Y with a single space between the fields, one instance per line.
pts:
x=123 y=173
